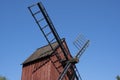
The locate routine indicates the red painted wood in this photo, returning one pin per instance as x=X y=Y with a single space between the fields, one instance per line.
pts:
x=48 y=68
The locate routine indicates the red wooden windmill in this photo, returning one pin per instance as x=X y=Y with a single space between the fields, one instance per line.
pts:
x=53 y=61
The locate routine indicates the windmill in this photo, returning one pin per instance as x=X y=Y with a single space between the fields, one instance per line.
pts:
x=68 y=69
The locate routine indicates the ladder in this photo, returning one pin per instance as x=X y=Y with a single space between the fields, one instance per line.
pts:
x=46 y=26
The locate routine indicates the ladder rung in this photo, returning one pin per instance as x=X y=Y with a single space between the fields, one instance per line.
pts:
x=78 y=46
x=52 y=40
x=48 y=33
x=32 y=5
x=36 y=12
x=45 y=26
x=40 y=19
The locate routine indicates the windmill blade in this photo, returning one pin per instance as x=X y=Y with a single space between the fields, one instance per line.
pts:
x=70 y=65
x=44 y=22
x=77 y=72
x=79 y=41
x=80 y=52
x=64 y=71
x=81 y=44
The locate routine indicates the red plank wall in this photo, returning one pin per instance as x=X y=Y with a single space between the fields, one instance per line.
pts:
x=48 y=68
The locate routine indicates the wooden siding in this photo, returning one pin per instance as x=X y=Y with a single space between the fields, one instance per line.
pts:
x=48 y=68
x=37 y=71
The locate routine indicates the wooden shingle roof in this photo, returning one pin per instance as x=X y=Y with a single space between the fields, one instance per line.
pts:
x=41 y=52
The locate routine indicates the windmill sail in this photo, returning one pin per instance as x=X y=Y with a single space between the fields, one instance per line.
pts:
x=81 y=43
x=46 y=26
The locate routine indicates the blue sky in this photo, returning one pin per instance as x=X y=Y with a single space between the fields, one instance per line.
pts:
x=97 y=20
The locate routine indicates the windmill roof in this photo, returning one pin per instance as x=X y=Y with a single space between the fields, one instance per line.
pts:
x=41 y=53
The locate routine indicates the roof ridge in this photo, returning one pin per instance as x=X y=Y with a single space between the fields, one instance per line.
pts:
x=42 y=52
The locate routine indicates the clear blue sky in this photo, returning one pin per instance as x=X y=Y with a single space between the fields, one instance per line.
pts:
x=98 y=20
